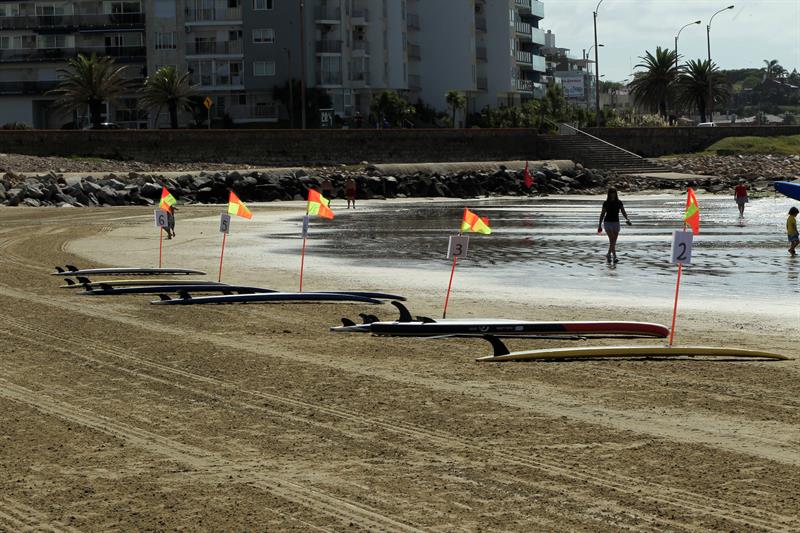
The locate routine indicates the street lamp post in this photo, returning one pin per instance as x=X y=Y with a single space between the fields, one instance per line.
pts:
x=586 y=57
x=710 y=103
x=678 y=36
x=291 y=87
x=596 y=69
x=302 y=65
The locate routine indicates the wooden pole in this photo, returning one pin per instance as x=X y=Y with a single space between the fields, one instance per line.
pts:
x=221 y=255
x=449 y=285
x=160 y=245
x=302 y=262
x=675 y=307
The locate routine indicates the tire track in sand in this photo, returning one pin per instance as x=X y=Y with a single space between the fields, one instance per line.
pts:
x=17 y=516
x=343 y=510
x=656 y=493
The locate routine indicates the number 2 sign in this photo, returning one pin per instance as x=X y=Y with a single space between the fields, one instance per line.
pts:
x=682 y=247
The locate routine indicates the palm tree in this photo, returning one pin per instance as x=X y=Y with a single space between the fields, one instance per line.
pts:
x=653 y=88
x=455 y=100
x=693 y=86
x=772 y=69
x=166 y=88
x=89 y=81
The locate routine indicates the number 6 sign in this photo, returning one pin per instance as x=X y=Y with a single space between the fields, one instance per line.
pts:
x=681 y=247
x=161 y=219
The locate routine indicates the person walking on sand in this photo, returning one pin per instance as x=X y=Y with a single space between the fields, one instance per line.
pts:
x=791 y=230
x=740 y=195
x=350 y=192
x=327 y=190
x=170 y=221
x=609 y=220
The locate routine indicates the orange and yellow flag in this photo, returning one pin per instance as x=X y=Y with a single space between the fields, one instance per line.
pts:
x=474 y=223
x=237 y=207
x=318 y=205
x=167 y=200
x=692 y=215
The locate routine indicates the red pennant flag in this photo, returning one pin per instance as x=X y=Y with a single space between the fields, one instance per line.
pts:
x=528 y=178
x=692 y=215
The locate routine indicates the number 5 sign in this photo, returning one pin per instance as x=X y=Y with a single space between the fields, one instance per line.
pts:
x=682 y=247
x=225 y=223
x=457 y=248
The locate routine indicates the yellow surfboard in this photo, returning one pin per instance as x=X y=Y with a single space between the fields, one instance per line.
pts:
x=602 y=352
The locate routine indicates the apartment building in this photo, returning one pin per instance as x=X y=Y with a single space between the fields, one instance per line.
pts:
x=37 y=38
x=238 y=51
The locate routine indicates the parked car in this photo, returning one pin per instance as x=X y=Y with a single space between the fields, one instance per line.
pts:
x=105 y=126
x=707 y=125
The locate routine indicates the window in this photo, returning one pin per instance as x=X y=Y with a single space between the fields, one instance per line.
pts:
x=263 y=68
x=52 y=41
x=119 y=8
x=5 y=42
x=9 y=10
x=165 y=40
x=50 y=10
x=264 y=36
x=260 y=5
x=123 y=39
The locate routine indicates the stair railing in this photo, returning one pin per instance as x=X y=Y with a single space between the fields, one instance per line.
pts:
x=599 y=139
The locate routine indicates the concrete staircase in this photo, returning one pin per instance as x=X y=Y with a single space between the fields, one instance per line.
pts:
x=592 y=152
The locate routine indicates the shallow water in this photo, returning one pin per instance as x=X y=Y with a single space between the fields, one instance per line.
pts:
x=552 y=243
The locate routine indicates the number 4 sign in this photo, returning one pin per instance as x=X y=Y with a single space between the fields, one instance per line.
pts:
x=682 y=247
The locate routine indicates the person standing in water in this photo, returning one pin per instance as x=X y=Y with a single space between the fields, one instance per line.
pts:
x=740 y=195
x=350 y=192
x=609 y=220
x=791 y=230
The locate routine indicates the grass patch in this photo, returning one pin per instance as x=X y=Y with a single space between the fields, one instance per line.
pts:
x=85 y=158
x=782 y=145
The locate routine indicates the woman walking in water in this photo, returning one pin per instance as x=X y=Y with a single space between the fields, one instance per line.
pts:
x=609 y=219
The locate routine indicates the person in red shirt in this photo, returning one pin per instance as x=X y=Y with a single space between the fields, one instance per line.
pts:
x=740 y=195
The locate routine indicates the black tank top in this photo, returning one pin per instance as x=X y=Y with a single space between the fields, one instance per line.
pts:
x=612 y=210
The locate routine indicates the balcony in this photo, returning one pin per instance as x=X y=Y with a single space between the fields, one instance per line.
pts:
x=539 y=63
x=213 y=16
x=414 y=82
x=523 y=29
x=88 y=21
x=523 y=5
x=482 y=83
x=360 y=16
x=480 y=23
x=327 y=15
x=27 y=87
x=412 y=21
x=360 y=79
x=213 y=48
x=537 y=36
x=537 y=9
x=481 y=54
x=414 y=52
x=328 y=47
x=122 y=54
x=265 y=112
x=523 y=57
x=360 y=47
x=328 y=77
x=523 y=86
x=217 y=81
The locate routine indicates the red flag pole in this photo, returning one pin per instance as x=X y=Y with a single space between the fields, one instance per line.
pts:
x=675 y=307
x=160 y=245
x=449 y=285
x=302 y=262
x=221 y=255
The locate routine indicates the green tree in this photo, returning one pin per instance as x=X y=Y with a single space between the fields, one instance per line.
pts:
x=693 y=86
x=90 y=81
x=653 y=88
x=316 y=99
x=390 y=106
x=772 y=69
x=166 y=88
x=455 y=100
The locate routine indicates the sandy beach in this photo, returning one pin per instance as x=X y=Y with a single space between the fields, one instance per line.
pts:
x=119 y=415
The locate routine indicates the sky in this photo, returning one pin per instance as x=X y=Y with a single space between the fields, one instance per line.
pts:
x=743 y=37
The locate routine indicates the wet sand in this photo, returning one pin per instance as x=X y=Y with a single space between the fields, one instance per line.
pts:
x=119 y=415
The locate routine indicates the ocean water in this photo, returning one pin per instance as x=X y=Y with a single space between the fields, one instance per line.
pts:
x=551 y=245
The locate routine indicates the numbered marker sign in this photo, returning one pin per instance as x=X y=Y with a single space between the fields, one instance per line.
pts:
x=225 y=223
x=305 y=226
x=682 y=247
x=458 y=246
x=161 y=219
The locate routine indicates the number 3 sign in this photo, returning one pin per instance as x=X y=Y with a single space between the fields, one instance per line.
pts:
x=682 y=247
x=458 y=246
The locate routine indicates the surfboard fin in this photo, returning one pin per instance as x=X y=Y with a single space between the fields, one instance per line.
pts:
x=164 y=297
x=83 y=279
x=405 y=316
x=59 y=269
x=347 y=322
x=425 y=319
x=184 y=295
x=72 y=268
x=497 y=345
x=69 y=281
x=368 y=319
x=105 y=287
